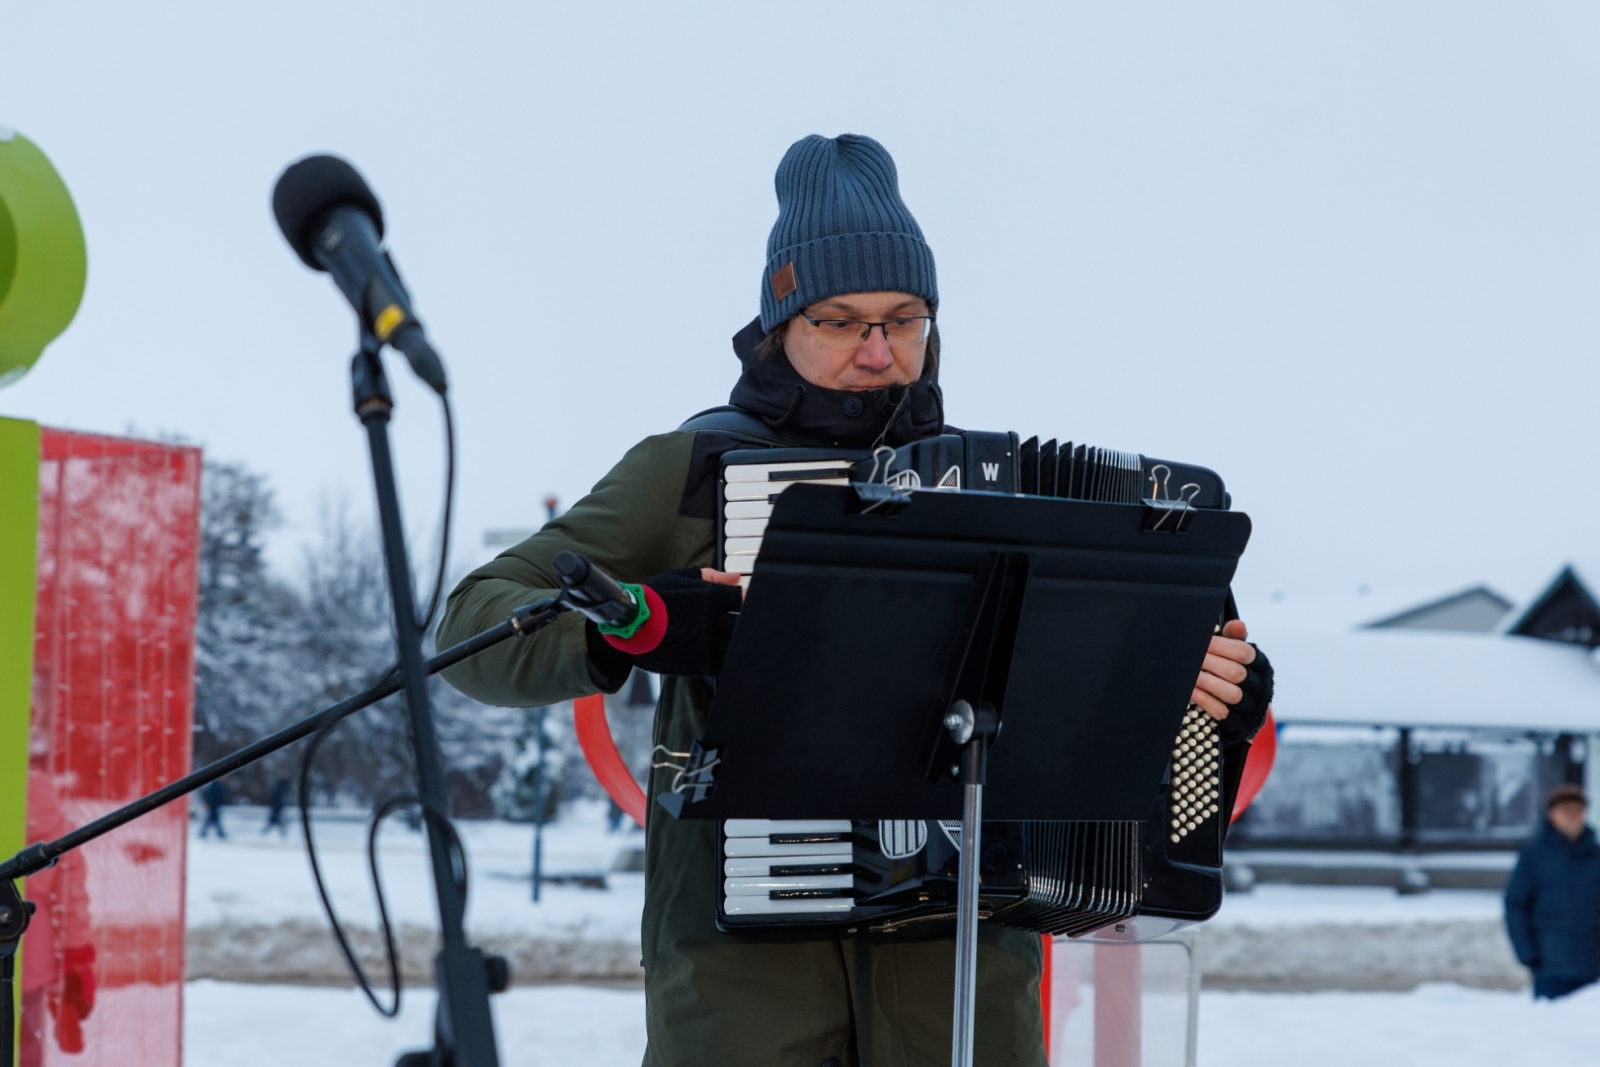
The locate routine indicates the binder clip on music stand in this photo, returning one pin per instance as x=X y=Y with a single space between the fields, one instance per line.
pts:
x=908 y=628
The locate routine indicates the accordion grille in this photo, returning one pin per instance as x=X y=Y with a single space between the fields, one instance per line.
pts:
x=1081 y=876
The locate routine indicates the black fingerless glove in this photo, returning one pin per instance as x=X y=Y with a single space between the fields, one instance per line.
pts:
x=692 y=639
x=1245 y=718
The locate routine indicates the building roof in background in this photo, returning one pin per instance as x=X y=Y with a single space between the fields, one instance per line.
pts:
x=1566 y=611
x=1332 y=610
x=1476 y=610
x=1398 y=677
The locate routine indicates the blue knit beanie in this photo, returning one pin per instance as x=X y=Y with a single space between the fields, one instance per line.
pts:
x=842 y=228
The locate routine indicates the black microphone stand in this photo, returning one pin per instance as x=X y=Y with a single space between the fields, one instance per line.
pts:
x=464 y=1028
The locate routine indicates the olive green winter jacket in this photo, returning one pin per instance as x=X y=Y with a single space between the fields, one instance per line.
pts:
x=797 y=998
x=631 y=525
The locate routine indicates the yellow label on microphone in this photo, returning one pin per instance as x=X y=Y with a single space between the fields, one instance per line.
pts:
x=387 y=320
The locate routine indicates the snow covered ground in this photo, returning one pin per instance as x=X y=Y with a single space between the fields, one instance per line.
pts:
x=1278 y=906
x=228 y=1024
x=232 y=1025
x=1434 y=1026
x=260 y=879
x=251 y=880
x=253 y=915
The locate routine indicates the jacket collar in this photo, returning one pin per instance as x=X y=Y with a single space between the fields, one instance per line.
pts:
x=774 y=390
x=1585 y=842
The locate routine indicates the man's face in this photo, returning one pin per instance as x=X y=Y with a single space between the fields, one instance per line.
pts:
x=871 y=364
x=1567 y=817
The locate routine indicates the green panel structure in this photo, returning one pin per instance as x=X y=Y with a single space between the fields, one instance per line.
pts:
x=19 y=532
x=43 y=267
x=43 y=263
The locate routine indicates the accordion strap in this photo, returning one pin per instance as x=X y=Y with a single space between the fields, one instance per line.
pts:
x=745 y=426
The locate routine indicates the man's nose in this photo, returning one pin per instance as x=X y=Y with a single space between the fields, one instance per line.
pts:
x=874 y=354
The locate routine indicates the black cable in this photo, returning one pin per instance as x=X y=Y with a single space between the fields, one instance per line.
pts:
x=444 y=520
x=439 y=820
x=391 y=953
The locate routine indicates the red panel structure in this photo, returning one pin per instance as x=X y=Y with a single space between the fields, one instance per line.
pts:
x=112 y=714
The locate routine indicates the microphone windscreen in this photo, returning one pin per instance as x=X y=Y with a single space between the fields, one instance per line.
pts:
x=308 y=190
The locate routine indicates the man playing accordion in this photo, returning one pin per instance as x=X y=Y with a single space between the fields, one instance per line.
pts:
x=847 y=330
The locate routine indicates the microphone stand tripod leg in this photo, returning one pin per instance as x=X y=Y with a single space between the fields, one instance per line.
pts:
x=15 y=914
x=8 y=1009
x=464 y=1025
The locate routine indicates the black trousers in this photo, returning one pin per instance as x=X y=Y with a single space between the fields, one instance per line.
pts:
x=854 y=998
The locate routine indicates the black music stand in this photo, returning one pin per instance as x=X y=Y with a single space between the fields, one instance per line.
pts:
x=889 y=636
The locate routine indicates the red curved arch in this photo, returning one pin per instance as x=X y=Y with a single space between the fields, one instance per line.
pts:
x=600 y=749
x=1257 y=765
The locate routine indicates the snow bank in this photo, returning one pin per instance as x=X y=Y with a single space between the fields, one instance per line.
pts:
x=254 y=916
x=227 y=1025
x=253 y=879
x=1436 y=1026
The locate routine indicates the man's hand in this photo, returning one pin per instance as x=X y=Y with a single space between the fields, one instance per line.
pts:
x=1224 y=670
x=711 y=574
x=692 y=615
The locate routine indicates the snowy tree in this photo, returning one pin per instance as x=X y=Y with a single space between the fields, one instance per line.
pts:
x=269 y=652
x=247 y=676
x=349 y=645
x=631 y=713
x=477 y=740
x=524 y=785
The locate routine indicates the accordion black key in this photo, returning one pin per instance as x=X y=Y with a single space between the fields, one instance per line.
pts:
x=1064 y=878
x=999 y=462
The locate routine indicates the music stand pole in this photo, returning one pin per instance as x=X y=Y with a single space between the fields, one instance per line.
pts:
x=976 y=729
x=464 y=1029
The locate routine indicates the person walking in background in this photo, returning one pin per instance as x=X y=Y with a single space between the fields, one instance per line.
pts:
x=1553 y=899
x=214 y=797
x=275 y=805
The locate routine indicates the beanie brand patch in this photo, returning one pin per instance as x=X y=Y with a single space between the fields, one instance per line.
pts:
x=783 y=283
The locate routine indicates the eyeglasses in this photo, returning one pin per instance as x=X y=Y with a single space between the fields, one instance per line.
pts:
x=908 y=331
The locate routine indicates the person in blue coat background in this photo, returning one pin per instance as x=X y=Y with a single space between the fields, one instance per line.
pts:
x=1553 y=899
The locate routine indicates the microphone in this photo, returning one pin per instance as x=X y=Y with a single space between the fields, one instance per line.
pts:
x=334 y=223
x=587 y=588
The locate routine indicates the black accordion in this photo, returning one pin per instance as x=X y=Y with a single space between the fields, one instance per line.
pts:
x=1138 y=878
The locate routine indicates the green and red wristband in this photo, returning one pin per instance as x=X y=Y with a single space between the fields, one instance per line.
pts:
x=647 y=629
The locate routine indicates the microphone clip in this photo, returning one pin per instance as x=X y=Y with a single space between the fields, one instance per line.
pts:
x=369 y=386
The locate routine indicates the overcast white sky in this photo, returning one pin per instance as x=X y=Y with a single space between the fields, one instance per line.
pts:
x=1346 y=254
